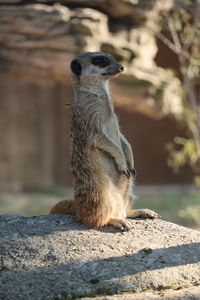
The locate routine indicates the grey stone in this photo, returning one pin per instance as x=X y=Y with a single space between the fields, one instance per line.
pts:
x=54 y=257
x=38 y=42
x=191 y=293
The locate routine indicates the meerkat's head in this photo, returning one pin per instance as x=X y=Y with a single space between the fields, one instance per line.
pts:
x=94 y=68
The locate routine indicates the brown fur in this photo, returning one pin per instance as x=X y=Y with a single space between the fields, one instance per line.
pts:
x=101 y=158
x=63 y=207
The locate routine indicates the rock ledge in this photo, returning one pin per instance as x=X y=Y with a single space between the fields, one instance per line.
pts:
x=54 y=257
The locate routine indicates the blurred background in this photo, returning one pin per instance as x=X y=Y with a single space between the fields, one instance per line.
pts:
x=157 y=98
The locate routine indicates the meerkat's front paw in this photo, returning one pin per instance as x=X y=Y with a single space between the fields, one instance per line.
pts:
x=122 y=224
x=127 y=172
x=124 y=171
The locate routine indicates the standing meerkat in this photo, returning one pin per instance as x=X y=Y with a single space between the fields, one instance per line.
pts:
x=101 y=157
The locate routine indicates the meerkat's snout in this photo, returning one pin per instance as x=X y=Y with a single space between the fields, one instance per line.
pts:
x=113 y=69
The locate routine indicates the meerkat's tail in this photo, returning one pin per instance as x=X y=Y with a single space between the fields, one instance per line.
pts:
x=63 y=207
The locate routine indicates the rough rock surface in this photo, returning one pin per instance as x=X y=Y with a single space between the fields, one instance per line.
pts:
x=191 y=293
x=38 y=41
x=54 y=257
x=41 y=39
x=128 y=11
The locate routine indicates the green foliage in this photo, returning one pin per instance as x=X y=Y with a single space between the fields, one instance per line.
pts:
x=192 y=212
x=187 y=153
x=183 y=24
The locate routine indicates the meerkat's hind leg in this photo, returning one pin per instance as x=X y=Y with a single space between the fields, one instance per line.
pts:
x=63 y=207
x=122 y=224
x=142 y=213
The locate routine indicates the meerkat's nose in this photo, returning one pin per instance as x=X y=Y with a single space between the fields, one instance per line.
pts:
x=121 y=68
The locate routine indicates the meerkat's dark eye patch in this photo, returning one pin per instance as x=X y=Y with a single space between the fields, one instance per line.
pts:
x=100 y=61
x=76 y=67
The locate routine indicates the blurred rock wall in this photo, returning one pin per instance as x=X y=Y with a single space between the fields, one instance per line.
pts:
x=38 y=39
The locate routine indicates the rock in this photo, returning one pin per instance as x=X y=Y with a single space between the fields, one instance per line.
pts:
x=128 y=11
x=192 y=293
x=38 y=41
x=54 y=257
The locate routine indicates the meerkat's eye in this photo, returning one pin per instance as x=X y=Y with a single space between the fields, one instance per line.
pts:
x=100 y=61
x=76 y=67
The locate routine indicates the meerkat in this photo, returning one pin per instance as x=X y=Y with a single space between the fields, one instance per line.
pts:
x=101 y=157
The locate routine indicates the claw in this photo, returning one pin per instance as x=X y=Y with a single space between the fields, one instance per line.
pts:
x=126 y=173
x=122 y=224
x=133 y=172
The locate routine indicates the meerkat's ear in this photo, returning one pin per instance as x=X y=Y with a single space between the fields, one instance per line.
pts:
x=76 y=67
